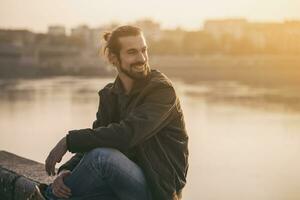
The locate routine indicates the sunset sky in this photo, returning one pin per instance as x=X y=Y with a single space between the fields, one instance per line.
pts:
x=36 y=15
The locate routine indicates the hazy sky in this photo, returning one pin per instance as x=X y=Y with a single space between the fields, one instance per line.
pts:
x=38 y=14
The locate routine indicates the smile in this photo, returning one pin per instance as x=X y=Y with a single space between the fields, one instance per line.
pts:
x=139 y=68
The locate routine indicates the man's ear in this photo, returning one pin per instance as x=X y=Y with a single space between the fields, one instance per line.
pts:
x=113 y=59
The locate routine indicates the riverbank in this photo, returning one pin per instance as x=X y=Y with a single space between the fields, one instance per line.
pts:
x=266 y=70
x=257 y=70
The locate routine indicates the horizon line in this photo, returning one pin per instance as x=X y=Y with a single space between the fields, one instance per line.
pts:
x=162 y=27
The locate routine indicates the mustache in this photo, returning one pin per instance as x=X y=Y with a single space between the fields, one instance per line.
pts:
x=137 y=64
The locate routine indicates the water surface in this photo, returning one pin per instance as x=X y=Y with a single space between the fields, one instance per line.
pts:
x=244 y=141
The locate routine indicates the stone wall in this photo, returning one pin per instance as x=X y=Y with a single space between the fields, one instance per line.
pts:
x=18 y=176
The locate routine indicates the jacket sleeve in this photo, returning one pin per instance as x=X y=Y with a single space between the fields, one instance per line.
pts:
x=99 y=121
x=144 y=121
x=71 y=164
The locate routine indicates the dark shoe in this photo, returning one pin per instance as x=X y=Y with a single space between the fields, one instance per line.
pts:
x=38 y=191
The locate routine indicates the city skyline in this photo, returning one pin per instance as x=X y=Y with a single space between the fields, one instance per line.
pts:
x=38 y=15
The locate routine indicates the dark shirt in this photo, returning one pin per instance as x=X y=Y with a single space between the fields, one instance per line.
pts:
x=147 y=125
x=123 y=100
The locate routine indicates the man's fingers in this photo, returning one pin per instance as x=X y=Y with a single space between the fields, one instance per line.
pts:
x=60 y=188
x=61 y=184
x=55 y=156
x=63 y=193
x=47 y=165
x=50 y=163
x=65 y=188
x=60 y=193
x=51 y=166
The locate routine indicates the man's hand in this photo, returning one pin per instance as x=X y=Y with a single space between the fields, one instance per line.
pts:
x=55 y=156
x=59 y=188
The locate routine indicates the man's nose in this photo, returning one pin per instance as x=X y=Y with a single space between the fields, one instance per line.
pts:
x=142 y=57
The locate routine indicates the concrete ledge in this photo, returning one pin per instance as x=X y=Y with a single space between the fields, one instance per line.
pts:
x=18 y=176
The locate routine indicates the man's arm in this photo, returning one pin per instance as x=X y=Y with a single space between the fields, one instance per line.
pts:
x=72 y=163
x=142 y=123
x=55 y=156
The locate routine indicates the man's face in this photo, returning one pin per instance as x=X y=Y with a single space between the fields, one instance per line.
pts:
x=133 y=60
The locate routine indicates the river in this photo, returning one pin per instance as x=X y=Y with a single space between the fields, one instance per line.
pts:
x=243 y=144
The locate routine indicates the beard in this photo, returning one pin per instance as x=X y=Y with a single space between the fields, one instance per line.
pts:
x=136 y=75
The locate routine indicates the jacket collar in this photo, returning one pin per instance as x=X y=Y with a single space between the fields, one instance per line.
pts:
x=118 y=88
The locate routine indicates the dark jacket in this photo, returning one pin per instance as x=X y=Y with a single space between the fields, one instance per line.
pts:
x=151 y=126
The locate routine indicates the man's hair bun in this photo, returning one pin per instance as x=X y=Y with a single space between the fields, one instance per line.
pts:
x=106 y=36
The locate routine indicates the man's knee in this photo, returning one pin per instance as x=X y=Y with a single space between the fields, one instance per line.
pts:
x=101 y=154
x=105 y=160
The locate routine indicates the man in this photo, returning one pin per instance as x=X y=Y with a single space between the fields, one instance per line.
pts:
x=138 y=146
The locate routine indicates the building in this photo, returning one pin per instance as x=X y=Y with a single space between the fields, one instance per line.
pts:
x=233 y=27
x=57 y=30
x=150 y=29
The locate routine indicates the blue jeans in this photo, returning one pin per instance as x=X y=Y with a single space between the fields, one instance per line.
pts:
x=105 y=174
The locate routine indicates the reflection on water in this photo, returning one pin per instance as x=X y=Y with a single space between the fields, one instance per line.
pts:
x=244 y=142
